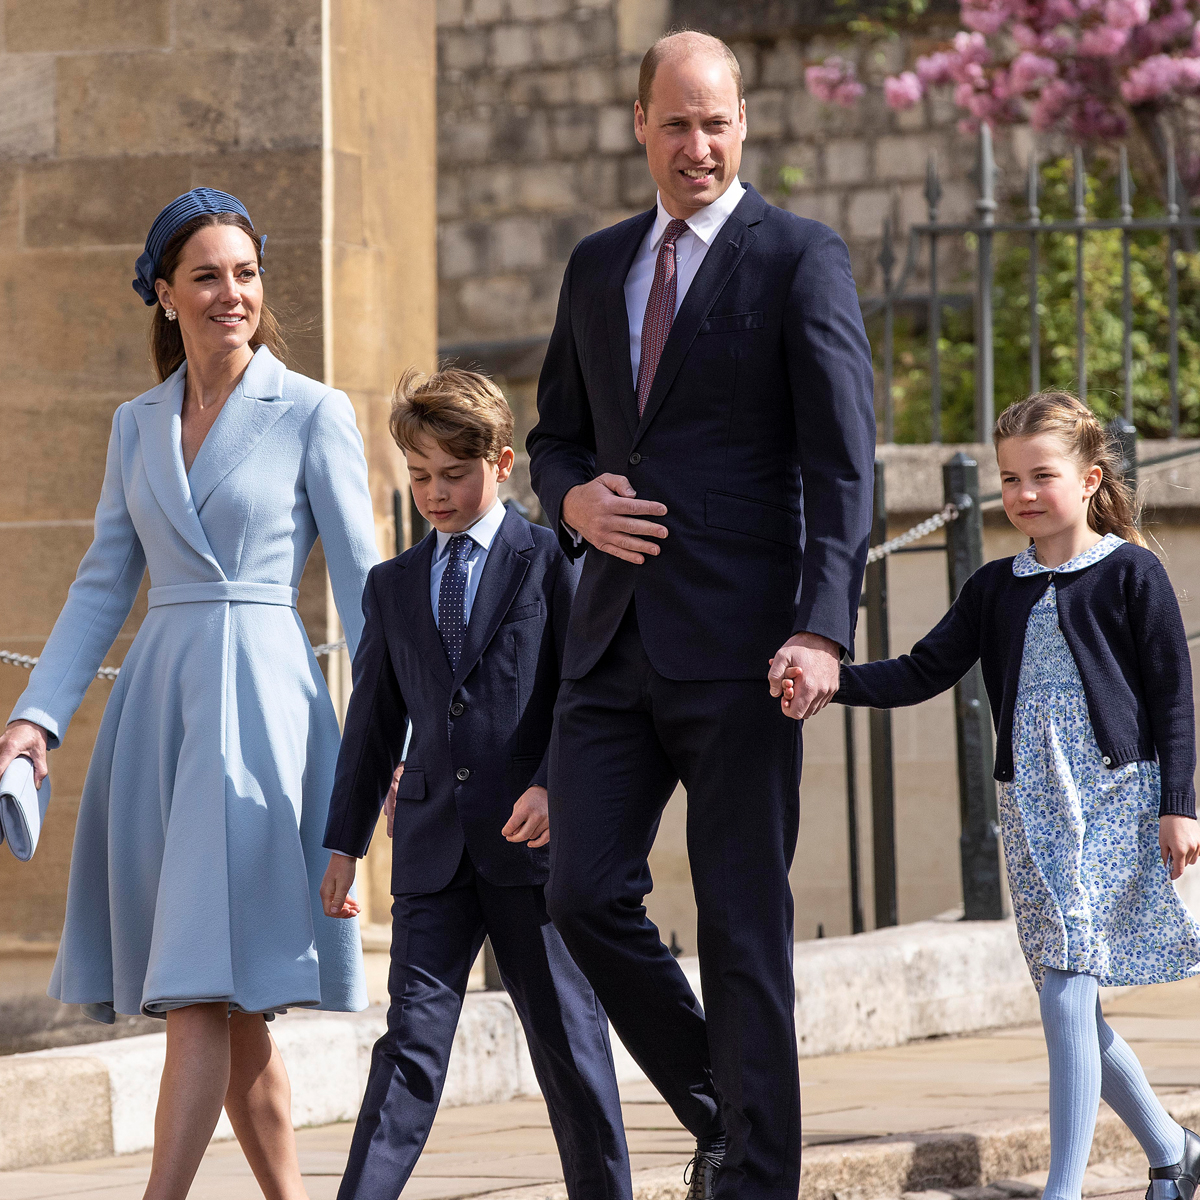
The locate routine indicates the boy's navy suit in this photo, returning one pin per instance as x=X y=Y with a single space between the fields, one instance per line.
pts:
x=479 y=740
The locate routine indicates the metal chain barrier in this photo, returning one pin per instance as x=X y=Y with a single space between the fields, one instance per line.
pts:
x=24 y=660
x=915 y=534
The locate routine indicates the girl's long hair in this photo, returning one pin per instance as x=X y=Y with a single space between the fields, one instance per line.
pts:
x=1113 y=507
x=166 y=342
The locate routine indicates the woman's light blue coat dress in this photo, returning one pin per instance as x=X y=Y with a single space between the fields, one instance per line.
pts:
x=198 y=851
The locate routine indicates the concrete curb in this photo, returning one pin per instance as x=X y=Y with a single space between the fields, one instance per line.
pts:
x=866 y=992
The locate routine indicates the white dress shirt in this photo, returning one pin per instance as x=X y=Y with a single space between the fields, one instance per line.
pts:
x=690 y=248
x=483 y=534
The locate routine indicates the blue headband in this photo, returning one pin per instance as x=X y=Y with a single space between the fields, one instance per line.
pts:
x=178 y=213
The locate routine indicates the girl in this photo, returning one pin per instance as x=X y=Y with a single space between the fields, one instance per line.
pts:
x=1087 y=669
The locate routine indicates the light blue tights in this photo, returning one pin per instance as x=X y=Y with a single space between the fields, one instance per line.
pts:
x=1089 y=1061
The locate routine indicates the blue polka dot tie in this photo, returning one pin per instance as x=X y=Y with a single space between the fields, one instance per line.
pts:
x=452 y=599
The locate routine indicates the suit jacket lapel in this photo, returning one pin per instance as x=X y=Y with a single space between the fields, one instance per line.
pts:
x=160 y=430
x=254 y=406
x=617 y=317
x=503 y=574
x=412 y=599
x=732 y=241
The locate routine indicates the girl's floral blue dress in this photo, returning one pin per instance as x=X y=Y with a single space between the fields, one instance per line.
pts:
x=1089 y=888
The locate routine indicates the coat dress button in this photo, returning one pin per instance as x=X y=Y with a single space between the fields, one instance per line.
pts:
x=1106 y=761
x=462 y=774
x=634 y=459
x=457 y=709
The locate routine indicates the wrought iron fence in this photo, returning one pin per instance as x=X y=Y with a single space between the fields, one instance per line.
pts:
x=925 y=241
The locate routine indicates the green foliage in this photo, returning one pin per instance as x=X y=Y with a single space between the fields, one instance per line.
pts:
x=878 y=20
x=1056 y=320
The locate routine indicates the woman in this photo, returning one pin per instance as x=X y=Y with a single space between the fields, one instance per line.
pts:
x=194 y=880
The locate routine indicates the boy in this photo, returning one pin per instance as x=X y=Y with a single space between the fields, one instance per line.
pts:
x=464 y=636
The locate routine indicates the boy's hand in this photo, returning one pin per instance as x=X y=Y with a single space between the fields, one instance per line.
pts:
x=1179 y=842
x=389 y=805
x=335 y=887
x=804 y=674
x=530 y=820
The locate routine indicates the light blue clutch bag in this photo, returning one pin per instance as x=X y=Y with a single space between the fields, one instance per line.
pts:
x=22 y=808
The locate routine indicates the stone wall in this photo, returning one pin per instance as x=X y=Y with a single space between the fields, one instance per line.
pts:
x=108 y=109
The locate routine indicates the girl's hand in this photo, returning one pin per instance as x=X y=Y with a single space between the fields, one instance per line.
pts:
x=1179 y=841
x=24 y=737
x=335 y=887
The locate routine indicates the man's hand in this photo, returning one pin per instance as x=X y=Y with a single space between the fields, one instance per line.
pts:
x=389 y=804
x=335 y=887
x=607 y=515
x=1179 y=842
x=530 y=820
x=804 y=674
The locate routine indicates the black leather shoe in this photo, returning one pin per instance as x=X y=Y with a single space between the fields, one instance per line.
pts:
x=1186 y=1172
x=701 y=1173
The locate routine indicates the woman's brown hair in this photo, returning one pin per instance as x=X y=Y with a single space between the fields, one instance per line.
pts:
x=1113 y=506
x=166 y=342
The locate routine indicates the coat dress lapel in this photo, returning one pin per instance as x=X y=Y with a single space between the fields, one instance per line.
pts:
x=160 y=429
x=617 y=318
x=252 y=408
x=732 y=241
x=503 y=574
x=412 y=599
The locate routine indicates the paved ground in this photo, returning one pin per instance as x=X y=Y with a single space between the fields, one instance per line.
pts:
x=923 y=1087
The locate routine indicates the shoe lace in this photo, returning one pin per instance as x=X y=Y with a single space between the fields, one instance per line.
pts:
x=702 y=1158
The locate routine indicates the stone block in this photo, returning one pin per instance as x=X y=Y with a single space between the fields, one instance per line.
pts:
x=627 y=81
x=573 y=130
x=484 y=12
x=548 y=188
x=279 y=99
x=638 y=188
x=10 y=206
x=783 y=65
x=750 y=62
x=496 y=305
x=462 y=249
x=766 y=114
x=281 y=190
x=599 y=179
x=912 y=120
x=538 y=10
x=592 y=85
x=517 y=243
x=521 y=135
x=614 y=130
x=512 y=46
x=537 y=88
x=27 y=107
x=847 y=160
x=904 y=156
x=562 y=42
x=56 y=26
x=825 y=206
x=53 y=1111
x=70 y=203
x=464 y=138
x=293 y=290
x=567 y=233
x=755 y=169
x=462 y=49
x=450 y=12
x=488 y=190
x=247 y=24
x=146 y=104
x=449 y=196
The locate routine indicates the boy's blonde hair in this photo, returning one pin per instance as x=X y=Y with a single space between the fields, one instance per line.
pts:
x=1113 y=506
x=463 y=411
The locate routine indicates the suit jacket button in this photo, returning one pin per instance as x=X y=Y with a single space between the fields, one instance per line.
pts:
x=634 y=459
x=462 y=774
x=457 y=709
x=1106 y=761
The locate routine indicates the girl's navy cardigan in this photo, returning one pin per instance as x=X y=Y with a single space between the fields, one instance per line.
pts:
x=1121 y=620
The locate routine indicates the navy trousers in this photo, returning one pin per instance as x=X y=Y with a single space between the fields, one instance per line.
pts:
x=435 y=939
x=624 y=736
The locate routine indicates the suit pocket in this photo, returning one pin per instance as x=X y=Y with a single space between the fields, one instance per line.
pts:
x=521 y=770
x=522 y=612
x=411 y=785
x=732 y=322
x=752 y=517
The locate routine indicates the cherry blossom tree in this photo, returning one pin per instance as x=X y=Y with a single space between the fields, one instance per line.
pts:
x=1097 y=70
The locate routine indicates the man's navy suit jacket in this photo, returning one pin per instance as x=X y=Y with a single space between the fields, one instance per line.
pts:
x=480 y=734
x=758 y=436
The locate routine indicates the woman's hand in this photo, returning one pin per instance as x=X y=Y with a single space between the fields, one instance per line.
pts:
x=24 y=737
x=335 y=887
x=1179 y=842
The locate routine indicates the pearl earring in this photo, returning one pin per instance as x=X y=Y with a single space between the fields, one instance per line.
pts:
x=169 y=313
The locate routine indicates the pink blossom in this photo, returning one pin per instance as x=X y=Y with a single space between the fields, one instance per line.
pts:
x=834 y=82
x=984 y=16
x=972 y=48
x=1103 y=41
x=1031 y=70
x=1150 y=79
x=903 y=91
x=1196 y=39
x=934 y=69
x=1026 y=38
x=1126 y=14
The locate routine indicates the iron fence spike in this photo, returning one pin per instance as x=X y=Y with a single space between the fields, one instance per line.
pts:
x=1126 y=187
x=1080 y=182
x=933 y=185
x=1035 y=213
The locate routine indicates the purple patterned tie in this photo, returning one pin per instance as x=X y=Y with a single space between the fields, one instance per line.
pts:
x=660 y=312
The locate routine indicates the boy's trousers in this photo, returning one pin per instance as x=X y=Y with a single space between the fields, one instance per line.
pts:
x=435 y=939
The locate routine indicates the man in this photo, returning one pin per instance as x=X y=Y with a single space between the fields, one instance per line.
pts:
x=706 y=432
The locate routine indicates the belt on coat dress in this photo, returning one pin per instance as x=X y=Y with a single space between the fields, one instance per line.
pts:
x=224 y=592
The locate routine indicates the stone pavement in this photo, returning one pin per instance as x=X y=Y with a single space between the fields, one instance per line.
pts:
x=987 y=1091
